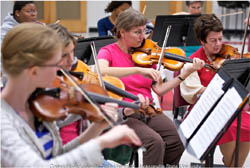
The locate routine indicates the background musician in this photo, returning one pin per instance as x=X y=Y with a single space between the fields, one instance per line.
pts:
x=31 y=61
x=193 y=8
x=106 y=24
x=209 y=30
x=158 y=133
x=23 y=11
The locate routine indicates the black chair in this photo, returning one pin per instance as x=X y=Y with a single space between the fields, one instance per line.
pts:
x=179 y=104
x=83 y=49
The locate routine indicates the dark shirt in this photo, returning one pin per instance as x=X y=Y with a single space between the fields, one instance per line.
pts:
x=104 y=26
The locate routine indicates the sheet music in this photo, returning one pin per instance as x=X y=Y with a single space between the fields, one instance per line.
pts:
x=212 y=93
x=216 y=121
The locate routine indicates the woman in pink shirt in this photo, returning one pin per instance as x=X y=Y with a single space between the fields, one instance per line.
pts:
x=158 y=133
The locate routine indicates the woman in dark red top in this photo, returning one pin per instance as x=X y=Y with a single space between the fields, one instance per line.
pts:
x=208 y=30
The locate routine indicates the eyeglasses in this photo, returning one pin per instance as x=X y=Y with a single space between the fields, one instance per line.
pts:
x=139 y=32
x=30 y=11
x=196 y=8
x=53 y=65
x=214 y=41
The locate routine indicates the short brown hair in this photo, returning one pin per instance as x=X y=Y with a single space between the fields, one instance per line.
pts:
x=63 y=33
x=128 y=19
x=206 y=24
x=26 y=45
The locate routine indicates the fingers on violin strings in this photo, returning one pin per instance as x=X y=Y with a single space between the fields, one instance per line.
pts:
x=155 y=75
x=111 y=110
x=142 y=100
x=112 y=104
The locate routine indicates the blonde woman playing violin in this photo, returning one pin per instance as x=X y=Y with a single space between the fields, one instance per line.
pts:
x=158 y=133
x=208 y=30
x=25 y=140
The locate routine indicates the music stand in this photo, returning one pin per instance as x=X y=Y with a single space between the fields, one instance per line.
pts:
x=240 y=70
x=205 y=125
x=83 y=49
x=182 y=32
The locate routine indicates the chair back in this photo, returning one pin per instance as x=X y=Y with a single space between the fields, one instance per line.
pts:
x=178 y=99
x=178 y=102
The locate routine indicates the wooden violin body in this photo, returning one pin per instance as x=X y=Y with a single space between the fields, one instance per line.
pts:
x=92 y=78
x=62 y=98
x=149 y=54
x=227 y=52
x=57 y=106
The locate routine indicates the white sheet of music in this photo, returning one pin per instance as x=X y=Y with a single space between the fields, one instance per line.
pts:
x=216 y=121
x=212 y=93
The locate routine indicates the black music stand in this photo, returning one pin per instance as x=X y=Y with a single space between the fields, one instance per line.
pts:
x=83 y=49
x=199 y=131
x=182 y=32
x=240 y=70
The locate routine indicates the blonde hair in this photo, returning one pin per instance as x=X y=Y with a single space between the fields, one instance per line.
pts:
x=127 y=20
x=26 y=45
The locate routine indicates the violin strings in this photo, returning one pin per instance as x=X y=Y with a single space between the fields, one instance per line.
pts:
x=99 y=110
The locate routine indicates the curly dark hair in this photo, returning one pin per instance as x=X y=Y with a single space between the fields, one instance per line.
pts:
x=205 y=24
x=18 y=5
x=115 y=4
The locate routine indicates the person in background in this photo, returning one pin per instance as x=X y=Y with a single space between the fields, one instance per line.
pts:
x=194 y=7
x=157 y=132
x=209 y=31
x=23 y=11
x=106 y=24
x=31 y=61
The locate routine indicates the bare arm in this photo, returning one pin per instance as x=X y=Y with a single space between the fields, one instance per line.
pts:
x=92 y=131
x=125 y=71
x=162 y=88
x=96 y=128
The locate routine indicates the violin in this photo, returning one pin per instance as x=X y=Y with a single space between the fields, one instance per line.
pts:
x=114 y=85
x=227 y=52
x=57 y=102
x=149 y=54
x=91 y=78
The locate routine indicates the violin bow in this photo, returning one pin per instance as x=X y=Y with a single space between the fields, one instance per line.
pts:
x=163 y=47
x=230 y=14
x=106 y=117
x=92 y=45
x=144 y=8
x=245 y=35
